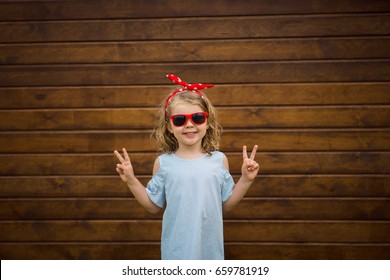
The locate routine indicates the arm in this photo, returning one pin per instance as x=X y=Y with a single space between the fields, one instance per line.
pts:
x=249 y=170
x=126 y=172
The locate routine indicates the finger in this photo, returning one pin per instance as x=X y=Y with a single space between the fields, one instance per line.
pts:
x=126 y=154
x=118 y=155
x=253 y=154
x=255 y=166
x=120 y=172
x=244 y=153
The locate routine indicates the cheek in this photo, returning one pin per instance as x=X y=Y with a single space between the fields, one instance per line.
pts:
x=207 y=126
x=174 y=130
x=170 y=127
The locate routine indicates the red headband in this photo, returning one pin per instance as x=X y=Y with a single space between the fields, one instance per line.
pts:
x=184 y=86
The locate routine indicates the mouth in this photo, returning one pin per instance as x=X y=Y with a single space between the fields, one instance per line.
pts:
x=191 y=133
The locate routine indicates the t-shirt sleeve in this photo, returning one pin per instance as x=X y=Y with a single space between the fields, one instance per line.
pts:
x=228 y=185
x=156 y=189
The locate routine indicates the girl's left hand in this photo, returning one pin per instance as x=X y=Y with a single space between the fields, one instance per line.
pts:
x=250 y=167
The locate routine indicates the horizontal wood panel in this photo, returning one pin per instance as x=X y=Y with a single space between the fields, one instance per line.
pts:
x=89 y=231
x=248 y=208
x=270 y=163
x=189 y=51
x=73 y=209
x=77 y=250
x=102 y=9
x=258 y=94
x=263 y=186
x=322 y=209
x=233 y=117
x=141 y=141
x=244 y=251
x=196 y=28
x=245 y=231
x=306 y=231
x=217 y=72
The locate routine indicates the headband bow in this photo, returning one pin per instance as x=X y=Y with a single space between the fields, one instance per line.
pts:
x=184 y=86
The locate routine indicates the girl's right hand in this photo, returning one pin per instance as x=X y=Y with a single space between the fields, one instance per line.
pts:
x=124 y=169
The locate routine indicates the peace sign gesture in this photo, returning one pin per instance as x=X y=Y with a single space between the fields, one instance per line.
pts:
x=250 y=167
x=124 y=169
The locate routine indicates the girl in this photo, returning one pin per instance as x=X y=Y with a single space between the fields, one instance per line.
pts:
x=191 y=177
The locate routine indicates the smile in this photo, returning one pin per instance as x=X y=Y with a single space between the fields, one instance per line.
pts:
x=190 y=133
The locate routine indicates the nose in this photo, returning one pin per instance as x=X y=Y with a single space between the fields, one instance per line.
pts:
x=190 y=123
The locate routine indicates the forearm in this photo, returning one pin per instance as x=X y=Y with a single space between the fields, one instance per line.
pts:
x=238 y=193
x=139 y=192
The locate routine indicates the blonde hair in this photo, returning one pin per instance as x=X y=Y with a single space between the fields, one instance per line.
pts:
x=166 y=141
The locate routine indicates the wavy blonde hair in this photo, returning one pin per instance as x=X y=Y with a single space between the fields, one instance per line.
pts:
x=166 y=141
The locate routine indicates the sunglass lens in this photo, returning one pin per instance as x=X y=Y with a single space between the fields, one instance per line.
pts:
x=198 y=118
x=179 y=120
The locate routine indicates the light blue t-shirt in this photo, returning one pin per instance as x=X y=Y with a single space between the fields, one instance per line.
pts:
x=193 y=192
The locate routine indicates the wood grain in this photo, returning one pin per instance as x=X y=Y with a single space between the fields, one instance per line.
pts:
x=235 y=231
x=295 y=185
x=217 y=72
x=235 y=251
x=221 y=95
x=232 y=140
x=271 y=163
x=229 y=117
x=190 y=51
x=196 y=28
x=248 y=209
x=102 y=9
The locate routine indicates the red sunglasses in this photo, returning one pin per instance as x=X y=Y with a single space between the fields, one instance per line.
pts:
x=181 y=119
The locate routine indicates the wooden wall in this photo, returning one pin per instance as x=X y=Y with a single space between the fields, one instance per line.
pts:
x=307 y=80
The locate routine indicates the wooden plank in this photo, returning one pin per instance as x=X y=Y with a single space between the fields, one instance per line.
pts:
x=65 y=186
x=83 y=230
x=263 y=186
x=102 y=9
x=220 y=95
x=306 y=231
x=264 y=251
x=143 y=141
x=79 y=141
x=217 y=72
x=307 y=140
x=73 y=209
x=192 y=51
x=229 y=117
x=235 y=231
x=151 y=251
x=270 y=163
x=308 y=208
x=320 y=185
x=248 y=208
x=80 y=251
x=196 y=28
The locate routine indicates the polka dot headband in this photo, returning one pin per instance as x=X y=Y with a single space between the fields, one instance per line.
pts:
x=184 y=87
